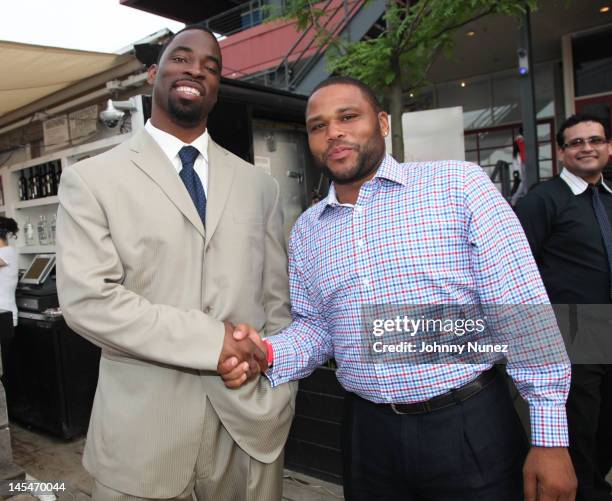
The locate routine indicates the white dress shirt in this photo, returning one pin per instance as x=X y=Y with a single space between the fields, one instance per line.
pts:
x=8 y=280
x=332 y=198
x=577 y=184
x=171 y=146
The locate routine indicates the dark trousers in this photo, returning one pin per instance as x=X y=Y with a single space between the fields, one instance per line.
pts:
x=589 y=414
x=472 y=451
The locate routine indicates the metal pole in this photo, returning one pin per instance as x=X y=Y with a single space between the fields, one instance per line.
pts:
x=528 y=109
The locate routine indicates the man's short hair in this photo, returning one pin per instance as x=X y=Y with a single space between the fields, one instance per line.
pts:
x=196 y=26
x=365 y=90
x=576 y=119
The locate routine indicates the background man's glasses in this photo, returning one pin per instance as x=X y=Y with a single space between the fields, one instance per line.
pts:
x=579 y=142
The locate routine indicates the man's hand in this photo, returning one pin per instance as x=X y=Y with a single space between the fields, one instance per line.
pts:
x=240 y=359
x=235 y=374
x=549 y=475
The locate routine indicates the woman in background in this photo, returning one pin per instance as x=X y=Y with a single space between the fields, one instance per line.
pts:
x=8 y=266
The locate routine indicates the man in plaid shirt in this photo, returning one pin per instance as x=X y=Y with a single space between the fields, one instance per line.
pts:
x=415 y=234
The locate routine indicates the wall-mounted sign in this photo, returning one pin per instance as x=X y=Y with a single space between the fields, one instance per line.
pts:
x=55 y=131
x=83 y=122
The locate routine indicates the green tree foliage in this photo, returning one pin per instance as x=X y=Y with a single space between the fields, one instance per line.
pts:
x=398 y=60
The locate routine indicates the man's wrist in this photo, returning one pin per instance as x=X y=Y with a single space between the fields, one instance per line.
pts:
x=269 y=352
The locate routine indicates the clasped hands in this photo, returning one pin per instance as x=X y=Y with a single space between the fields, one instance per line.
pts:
x=243 y=355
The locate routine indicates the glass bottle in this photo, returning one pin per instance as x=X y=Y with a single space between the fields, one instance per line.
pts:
x=52 y=229
x=28 y=232
x=42 y=185
x=49 y=181
x=54 y=176
x=23 y=186
x=33 y=184
x=43 y=230
x=39 y=184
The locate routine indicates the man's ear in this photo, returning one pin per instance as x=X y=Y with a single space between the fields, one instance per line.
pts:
x=383 y=121
x=151 y=74
x=560 y=154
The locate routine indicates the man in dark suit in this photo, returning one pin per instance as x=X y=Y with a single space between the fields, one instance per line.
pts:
x=567 y=222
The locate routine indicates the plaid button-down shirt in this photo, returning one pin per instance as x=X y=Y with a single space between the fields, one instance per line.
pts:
x=419 y=233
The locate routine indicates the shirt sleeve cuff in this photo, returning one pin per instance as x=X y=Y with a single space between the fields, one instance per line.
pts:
x=549 y=426
x=283 y=356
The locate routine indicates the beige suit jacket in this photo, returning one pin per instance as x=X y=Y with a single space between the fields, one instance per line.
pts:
x=139 y=276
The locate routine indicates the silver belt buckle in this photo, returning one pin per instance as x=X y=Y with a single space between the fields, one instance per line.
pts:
x=425 y=404
x=395 y=410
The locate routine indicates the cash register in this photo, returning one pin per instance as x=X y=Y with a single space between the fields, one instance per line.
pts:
x=36 y=292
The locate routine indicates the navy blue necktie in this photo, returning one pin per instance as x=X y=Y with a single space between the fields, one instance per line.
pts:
x=188 y=155
x=604 y=226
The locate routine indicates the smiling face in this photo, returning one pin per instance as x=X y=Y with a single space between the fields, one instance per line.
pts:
x=186 y=82
x=345 y=133
x=587 y=160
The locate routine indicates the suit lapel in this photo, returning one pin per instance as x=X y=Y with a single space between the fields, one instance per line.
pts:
x=221 y=172
x=148 y=157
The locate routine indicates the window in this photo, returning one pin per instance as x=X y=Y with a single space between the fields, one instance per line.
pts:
x=487 y=146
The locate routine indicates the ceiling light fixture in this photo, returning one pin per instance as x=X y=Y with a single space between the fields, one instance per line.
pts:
x=605 y=9
x=463 y=84
x=471 y=33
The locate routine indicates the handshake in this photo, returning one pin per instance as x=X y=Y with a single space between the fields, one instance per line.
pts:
x=243 y=355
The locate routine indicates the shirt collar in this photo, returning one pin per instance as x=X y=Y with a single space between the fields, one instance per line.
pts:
x=332 y=198
x=171 y=145
x=389 y=169
x=577 y=184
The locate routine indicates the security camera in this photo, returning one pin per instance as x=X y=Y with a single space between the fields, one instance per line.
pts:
x=523 y=61
x=113 y=113
x=111 y=116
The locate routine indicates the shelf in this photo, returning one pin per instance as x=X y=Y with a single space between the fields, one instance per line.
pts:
x=61 y=155
x=34 y=162
x=38 y=202
x=37 y=249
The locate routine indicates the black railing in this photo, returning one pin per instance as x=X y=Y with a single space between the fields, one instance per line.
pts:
x=502 y=171
x=299 y=60
x=241 y=17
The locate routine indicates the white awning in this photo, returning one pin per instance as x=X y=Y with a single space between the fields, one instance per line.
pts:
x=31 y=72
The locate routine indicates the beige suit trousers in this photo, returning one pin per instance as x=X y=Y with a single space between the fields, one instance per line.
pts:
x=223 y=472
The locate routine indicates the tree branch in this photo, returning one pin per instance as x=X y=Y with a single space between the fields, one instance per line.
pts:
x=413 y=25
x=451 y=27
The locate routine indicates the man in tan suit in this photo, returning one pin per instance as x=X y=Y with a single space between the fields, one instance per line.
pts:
x=163 y=243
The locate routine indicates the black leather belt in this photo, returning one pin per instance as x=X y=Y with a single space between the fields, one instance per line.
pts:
x=449 y=398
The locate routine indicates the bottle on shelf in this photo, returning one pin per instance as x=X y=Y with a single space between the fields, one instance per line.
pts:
x=42 y=185
x=43 y=230
x=52 y=179
x=52 y=225
x=58 y=174
x=23 y=186
x=49 y=181
x=39 y=181
x=29 y=187
x=33 y=185
x=28 y=232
